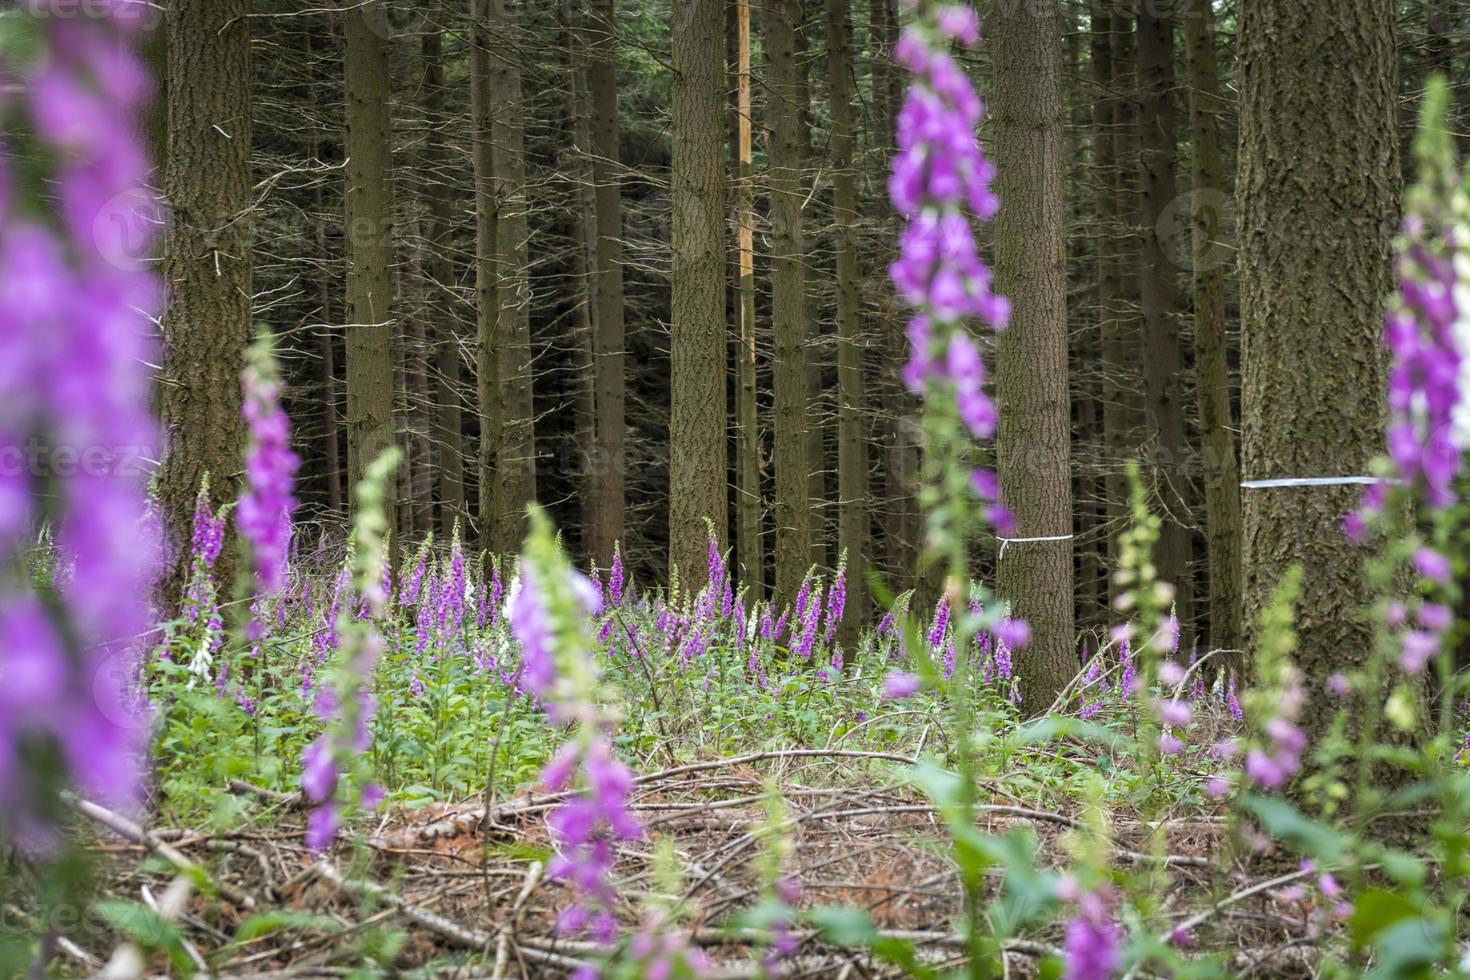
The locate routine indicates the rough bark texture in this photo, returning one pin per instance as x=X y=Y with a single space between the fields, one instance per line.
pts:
x=609 y=384
x=852 y=452
x=369 y=233
x=1033 y=445
x=207 y=269
x=576 y=164
x=901 y=520
x=489 y=395
x=449 y=414
x=749 y=506
x=1122 y=336
x=697 y=463
x=813 y=326
x=1211 y=343
x=1159 y=301
x=516 y=469
x=788 y=316
x=1318 y=199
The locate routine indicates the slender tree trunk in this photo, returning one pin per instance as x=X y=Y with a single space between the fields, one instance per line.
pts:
x=1211 y=345
x=369 y=241
x=901 y=525
x=1159 y=300
x=327 y=344
x=489 y=394
x=577 y=161
x=448 y=412
x=207 y=266
x=1122 y=341
x=697 y=465
x=1318 y=200
x=852 y=456
x=788 y=311
x=816 y=394
x=609 y=379
x=749 y=507
x=516 y=468
x=1033 y=445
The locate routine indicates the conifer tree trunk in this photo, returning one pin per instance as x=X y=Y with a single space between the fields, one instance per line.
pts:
x=899 y=426
x=1122 y=341
x=369 y=241
x=577 y=156
x=852 y=455
x=609 y=379
x=489 y=397
x=749 y=508
x=1318 y=200
x=1211 y=345
x=1031 y=386
x=697 y=464
x=207 y=268
x=516 y=469
x=1111 y=344
x=1159 y=301
x=812 y=326
x=788 y=299
x=448 y=411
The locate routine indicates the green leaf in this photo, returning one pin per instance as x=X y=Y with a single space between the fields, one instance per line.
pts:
x=1376 y=910
x=264 y=923
x=843 y=925
x=1283 y=820
x=1409 y=950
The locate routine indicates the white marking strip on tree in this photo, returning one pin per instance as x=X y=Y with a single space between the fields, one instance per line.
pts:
x=1317 y=481
x=1049 y=537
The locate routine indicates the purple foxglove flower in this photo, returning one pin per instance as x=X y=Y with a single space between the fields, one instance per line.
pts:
x=263 y=514
x=898 y=686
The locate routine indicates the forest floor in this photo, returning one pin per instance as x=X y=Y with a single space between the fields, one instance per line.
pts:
x=467 y=896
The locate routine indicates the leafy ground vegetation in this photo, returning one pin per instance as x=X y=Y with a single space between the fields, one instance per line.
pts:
x=373 y=760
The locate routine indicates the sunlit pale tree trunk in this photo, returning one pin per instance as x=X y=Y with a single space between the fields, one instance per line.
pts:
x=1318 y=200
x=749 y=509
x=1031 y=387
x=206 y=266
x=697 y=463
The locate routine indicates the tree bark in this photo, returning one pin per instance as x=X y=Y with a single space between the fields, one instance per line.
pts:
x=207 y=268
x=516 y=465
x=1033 y=444
x=852 y=455
x=609 y=379
x=1211 y=343
x=788 y=312
x=1122 y=336
x=1159 y=301
x=1318 y=199
x=697 y=464
x=448 y=410
x=899 y=426
x=369 y=233
x=489 y=395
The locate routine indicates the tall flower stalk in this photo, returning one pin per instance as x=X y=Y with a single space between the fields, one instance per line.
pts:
x=76 y=302
x=549 y=617
x=336 y=771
